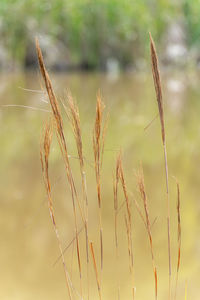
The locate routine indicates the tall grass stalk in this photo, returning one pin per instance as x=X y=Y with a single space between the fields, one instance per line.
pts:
x=58 y=124
x=158 y=90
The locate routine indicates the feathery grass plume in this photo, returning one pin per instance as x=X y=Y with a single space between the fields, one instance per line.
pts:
x=158 y=89
x=157 y=85
x=179 y=236
x=141 y=186
x=44 y=157
x=95 y=269
x=63 y=146
x=73 y=114
x=98 y=148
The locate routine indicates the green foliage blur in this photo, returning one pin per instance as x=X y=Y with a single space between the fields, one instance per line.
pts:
x=93 y=30
x=191 y=11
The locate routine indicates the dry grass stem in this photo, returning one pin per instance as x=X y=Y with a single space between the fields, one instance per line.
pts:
x=148 y=225
x=98 y=147
x=115 y=192
x=95 y=269
x=186 y=288
x=151 y=122
x=128 y=218
x=44 y=156
x=179 y=237
x=129 y=242
x=73 y=114
x=158 y=89
x=128 y=207
x=69 y=245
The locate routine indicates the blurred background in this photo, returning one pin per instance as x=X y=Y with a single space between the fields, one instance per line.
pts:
x=89 y=35
x=90 y=46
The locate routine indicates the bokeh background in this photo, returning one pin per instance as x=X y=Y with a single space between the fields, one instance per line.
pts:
x=91 y=45
x=98 y=34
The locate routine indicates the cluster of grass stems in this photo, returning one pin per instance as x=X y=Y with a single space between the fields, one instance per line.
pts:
x=80 y=202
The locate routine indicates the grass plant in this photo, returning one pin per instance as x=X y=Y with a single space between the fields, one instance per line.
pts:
x=124 y=201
